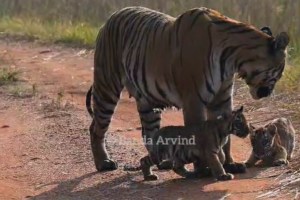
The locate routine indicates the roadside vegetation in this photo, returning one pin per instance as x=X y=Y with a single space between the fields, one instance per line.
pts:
x=77 y=22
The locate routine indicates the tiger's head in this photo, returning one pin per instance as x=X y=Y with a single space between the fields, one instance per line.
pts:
x=262 y=140
x=264 y=64
x=237 y=123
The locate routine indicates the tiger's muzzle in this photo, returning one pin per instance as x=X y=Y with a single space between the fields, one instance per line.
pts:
x=263 y=92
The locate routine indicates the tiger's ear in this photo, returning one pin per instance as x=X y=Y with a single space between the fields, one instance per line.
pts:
x=281 y=41
x=267 y=30
x=241 y=109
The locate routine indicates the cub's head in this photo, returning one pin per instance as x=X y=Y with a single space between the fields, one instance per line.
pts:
x=262 y=140
x=262 y=62
x=238 y=123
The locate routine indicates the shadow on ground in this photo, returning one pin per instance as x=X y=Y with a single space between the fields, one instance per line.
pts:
x=130 y=186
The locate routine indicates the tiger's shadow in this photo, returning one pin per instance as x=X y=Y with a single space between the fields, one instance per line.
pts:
x=130 y=185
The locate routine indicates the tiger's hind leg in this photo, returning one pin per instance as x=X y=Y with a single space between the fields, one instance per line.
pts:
x=146 y=164
x=280 y=157
x=150 y=120
x=104 y=103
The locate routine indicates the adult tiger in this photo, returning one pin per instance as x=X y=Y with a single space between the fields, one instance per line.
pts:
x=188 y=62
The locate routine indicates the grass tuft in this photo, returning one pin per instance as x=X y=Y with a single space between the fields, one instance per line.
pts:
x=290 y=80
x=8 y=75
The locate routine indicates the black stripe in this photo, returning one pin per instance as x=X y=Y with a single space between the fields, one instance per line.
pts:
x=100 y=115
x=223 y=58
x=155 y=28
x=228 y=87
x=164 y=26
x=233 y=26
x=198 y=94
x=177 y=28
x=105 y=111
x=255 y=46
x=255 y=37
x=196 y=18
x=144 y=79
x=150 y=129
x=246 y=61
x=137 y=59
x=210 y=54
x=160 y=90
x=221 y=103
x=146 y=112
x=192 y=11
x=153 y=121
x=106 y=97
x=181 y=59
x=219 y=22
x=245 y=30
x=208 y=86
x=104 y=125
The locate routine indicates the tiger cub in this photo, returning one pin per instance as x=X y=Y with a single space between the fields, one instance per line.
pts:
x=203 y=144
x=273 y=143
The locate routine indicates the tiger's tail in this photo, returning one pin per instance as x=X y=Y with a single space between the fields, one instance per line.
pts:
x=88 y=101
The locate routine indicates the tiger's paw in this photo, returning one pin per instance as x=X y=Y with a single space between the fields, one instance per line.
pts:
x=235 y=168
x=151 y=177
x=280 y=162
x=225 y=177
x=165 y=165
x=107 y=165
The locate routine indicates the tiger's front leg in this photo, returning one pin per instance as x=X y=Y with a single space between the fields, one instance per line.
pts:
x=146 y=163
x=217 y=168
x=252 y=160
x=180 y=169
x=280 y=157
x=213 y=111
x=150 y=121
x=193 y=113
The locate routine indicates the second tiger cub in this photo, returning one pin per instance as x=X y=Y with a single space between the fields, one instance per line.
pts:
x=209 y=138
x=273 y=143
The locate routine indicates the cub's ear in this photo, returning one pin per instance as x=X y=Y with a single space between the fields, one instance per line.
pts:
x=267 y=30
x=281 y=41
x=241 y=109
x=272 y=129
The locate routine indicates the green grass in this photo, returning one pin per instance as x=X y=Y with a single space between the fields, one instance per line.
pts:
x=8 y=75
x=291 y=78
x=81 y=34
x=84 y=34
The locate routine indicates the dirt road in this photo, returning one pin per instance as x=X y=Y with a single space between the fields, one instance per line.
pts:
x=44 y=142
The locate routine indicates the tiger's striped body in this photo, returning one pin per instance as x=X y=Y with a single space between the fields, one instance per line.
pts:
x=188 y=62
x=190 y=144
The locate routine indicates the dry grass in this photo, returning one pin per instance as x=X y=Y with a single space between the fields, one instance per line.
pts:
x=290 y=80
x=78 y=21
x=8 y=75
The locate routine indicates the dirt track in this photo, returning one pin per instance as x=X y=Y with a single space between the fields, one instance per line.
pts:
x=44 y=141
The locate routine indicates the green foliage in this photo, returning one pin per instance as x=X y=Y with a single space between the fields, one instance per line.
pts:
x=290 y=80
x=79 y=33
x=77 y=22
x=8 y=75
